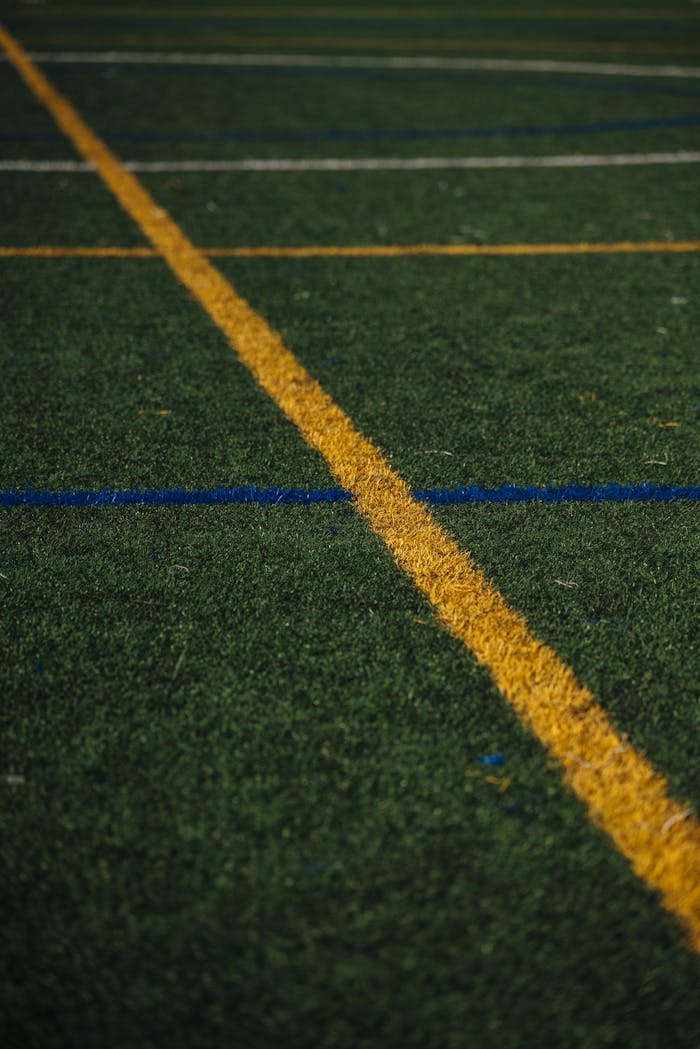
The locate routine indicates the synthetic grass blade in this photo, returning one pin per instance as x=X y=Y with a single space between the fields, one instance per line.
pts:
x=624 y=793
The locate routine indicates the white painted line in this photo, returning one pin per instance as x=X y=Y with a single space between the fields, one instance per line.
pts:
x=495 y=65
x=49 y=166
x=575 y=160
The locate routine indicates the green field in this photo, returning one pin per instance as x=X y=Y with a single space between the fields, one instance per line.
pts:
x=253 y=793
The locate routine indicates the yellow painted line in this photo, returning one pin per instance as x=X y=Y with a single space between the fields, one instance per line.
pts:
x=354 y=251
x=365 y=13
x=624 y=793
x=363 y=43
x=47 y=252
x=401 y=250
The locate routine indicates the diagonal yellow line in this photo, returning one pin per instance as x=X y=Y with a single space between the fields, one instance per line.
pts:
x=624 y=793
x=353 y=251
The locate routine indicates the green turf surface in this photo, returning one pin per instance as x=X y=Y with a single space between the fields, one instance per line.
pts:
x=90 y=344
x=241 y=794
x=283 y=102
x=250 y=209
x=464 y=21
x=626 y=621
x=252 y=805
x=480 y=371
x=444 y=207
x=316 y=29
x=62 y=210
x=23 y=119
x=520 y=345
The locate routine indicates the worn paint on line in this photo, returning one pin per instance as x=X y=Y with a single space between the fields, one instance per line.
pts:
x=455 y=250
x=298 y=60
x=49 y=252
x=301 y=164
x=355 y=251
x=624 y=793
x=495 y=163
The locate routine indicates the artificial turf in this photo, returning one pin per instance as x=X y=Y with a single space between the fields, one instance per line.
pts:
x=120 y=342
x=253 y=794
x=252 y=808
x=369 y=113
x=448 y=207
x=337 y=27
x=490 y=370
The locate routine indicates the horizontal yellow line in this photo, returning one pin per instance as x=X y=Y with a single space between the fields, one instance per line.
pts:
x=382 y=251
x=399 y=250
x=623 y=791
x=353 y=43
x=48 y=252
x=363 y=13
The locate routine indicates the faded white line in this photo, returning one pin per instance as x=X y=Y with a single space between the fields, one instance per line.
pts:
x=574 y=160
x=495 y=65
x=48 y=166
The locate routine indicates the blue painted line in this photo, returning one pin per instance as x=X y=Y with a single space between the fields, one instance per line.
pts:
x=372 y=135
x=572 y=493
x=491 y=759
x=174 y=496
x=406 y=134
x=506 y=495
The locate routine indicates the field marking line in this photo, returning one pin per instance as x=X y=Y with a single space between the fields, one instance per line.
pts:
x=363 y=43
x=506 y=495
x=355 y=251
x=98 y=252
x=377 y=13
x=456 y=250
x=625 y=794
x=282 y=164
x=372 y=62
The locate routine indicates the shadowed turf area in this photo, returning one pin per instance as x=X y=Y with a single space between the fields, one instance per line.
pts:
x=253 y=793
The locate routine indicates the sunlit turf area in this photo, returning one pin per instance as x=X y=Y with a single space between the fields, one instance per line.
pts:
x=262 y=785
